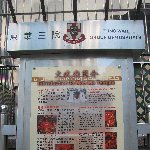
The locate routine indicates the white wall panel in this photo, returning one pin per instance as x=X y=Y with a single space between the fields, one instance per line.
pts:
x=100 y=4
x=59 y=7
x=68 y=6
x=24 y=6
x=27 y=9
x=35 y=8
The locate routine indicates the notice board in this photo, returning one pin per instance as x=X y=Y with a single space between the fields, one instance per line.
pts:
x=76 y=108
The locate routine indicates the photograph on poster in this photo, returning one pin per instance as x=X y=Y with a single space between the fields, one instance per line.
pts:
x=46 y=124
x=64 y=147
x=110 y=118
x=111 y=140
x=75 y=95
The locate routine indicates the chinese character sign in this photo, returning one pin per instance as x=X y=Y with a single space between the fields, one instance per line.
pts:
x=111 y=34
x=76 y=108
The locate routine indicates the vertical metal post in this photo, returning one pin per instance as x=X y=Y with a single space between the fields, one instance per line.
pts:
x=4 y=32
x=75 y=9
x=148 y=120
x=120 y=9
x=31 y=10
x=79 y=7
x=63 y=10
x=3 y=121
x=138 y=8
x=23 y=10
x=12 y=11
x=43 y=10
x=111 y=4
x=146 y=28
x=95 y=9
x=128 y=10
x=2 y=138
x=106 y=9
x=143 y=90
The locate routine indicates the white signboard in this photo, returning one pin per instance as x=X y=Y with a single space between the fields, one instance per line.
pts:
x=111 y=34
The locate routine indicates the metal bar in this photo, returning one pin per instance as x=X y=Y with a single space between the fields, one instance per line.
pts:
x=120 y=8
x=16 y=5
x=75 y=9
x=4 y=57
x=87 y=4
x=143 y=91
x=128 y=10
x=47 y=9
x=71 y=4
x=31 y=10
x=79 y=7
x=3 y=37
x=20 y=110
x=39 y=12
x=106 y=9
x=111 y=5
x=23 y=10
x=141 y=62
x=43 y=10
x=5 y=10
x=139 y=5
x=63 y=10
x=146 y=54
x=12 y=11
x=95 y=9
x=58 y=12
x=146 y=28
x=135 y=2
x=55 y=14
x=138 y=8
x=6 y=67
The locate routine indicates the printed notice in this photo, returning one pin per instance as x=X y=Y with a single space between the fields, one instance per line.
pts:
x=76 y=108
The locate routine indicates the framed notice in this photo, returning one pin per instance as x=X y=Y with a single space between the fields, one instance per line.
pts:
x=76 y=108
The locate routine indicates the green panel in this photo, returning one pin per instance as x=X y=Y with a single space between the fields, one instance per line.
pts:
x=142 y=88
x=146 y=83
x=140 y=105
